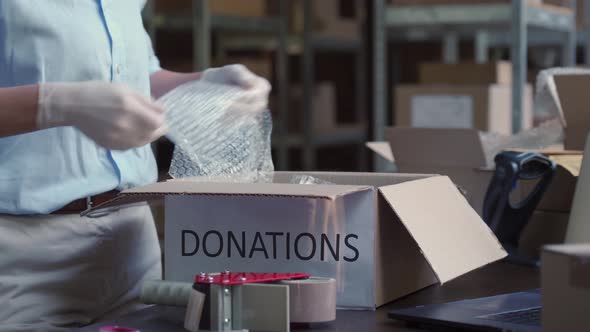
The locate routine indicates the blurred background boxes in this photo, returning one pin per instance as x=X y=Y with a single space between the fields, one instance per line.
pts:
x=483 y=107
x=465 y=73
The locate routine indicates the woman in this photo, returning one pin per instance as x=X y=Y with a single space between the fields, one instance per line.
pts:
x=76 y=120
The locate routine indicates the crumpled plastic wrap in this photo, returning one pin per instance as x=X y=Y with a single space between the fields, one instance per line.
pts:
x=307 y=179
x=213 y=140
x=545 y=135
x=547 y=103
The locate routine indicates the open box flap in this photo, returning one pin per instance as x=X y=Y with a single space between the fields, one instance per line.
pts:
x=353 y=178
x=573 y=99
x=436 y=146
x=451 y=235
x=187 y=187
x=382 y=149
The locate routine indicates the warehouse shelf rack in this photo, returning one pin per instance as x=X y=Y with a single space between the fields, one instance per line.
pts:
x=271 y=33
x=486 y=24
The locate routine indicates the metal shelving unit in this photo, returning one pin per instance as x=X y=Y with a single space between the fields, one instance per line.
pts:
x=312 y=45
x=486 y=24
x=270 y=33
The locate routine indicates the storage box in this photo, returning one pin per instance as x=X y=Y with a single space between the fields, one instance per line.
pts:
x=457 y=153
x=464 y=157
x=483 y=107
x=382 y=236
x=559 y=195
x=543 y=228
x=565 y=287
x=466 y=73
x=327 y=20
x=323 y=108
x=573 y=97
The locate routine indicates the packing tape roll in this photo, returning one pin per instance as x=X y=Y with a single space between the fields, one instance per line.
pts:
x=165 y=292
x=311 y=300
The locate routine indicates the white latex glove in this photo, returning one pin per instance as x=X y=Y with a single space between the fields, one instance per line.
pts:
x=111 y=114
x=257 y=88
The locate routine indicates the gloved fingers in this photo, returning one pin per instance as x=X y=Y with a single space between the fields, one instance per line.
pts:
x=149 y=117
x=151 y=104
x=240 y=75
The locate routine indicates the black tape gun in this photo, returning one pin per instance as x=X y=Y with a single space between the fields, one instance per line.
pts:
x=507 y=219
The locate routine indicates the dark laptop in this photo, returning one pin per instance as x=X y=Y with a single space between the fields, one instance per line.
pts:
x=508 y=312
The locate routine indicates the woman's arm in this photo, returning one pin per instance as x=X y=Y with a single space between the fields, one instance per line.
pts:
x=163 y=81
x=18 y=110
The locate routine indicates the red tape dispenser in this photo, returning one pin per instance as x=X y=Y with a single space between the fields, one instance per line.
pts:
x=237 y=301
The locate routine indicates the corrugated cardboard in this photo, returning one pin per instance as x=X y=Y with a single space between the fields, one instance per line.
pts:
x=457 y=153
x=573 y=96
x=559 y=195
x=465 y=73
x=327 y=21
x=400 y=232
x=565 y=287
x=543 y=228
x=483 y=107
x=323 y=106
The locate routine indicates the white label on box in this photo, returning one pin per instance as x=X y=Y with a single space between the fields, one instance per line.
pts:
x=442 y=111
x=322 y=237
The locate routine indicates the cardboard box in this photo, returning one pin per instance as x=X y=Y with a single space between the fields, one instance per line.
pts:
x=483 y=107
x=327 y=20
x=457 y=153
x=323 y=106
x=572 y=97
x=464 y=157
x=465 y=73
x=580 y=10
x=382 y=236
x=560 y=194
x=543 y=228
x=249 y=8
x=565 y=287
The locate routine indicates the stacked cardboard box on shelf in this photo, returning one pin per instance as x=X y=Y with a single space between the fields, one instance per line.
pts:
x=328 y=19
x=323 y=108
x=464 y=95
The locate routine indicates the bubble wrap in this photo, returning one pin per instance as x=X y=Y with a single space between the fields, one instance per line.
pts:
x=214 y=140
x=545 y=135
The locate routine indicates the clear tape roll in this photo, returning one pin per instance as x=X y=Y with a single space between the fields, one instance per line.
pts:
x=311 y=300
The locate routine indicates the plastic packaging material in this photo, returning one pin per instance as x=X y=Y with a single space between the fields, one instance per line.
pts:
x=214 y=140
x=307 y=179
x=547 y=134
x=547 y=104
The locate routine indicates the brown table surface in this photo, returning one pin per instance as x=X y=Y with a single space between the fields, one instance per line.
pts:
x=493 y=279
